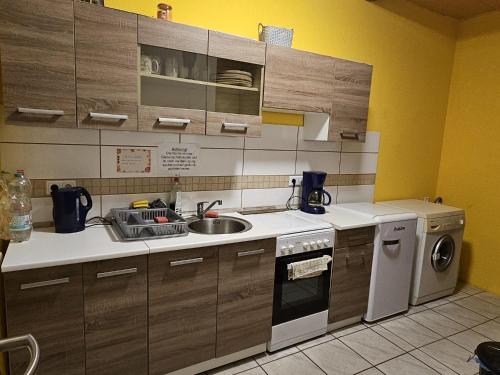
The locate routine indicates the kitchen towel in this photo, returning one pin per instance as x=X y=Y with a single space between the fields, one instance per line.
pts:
x=308 y=268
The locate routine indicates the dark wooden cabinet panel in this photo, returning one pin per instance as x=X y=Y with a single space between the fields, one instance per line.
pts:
x=38 y=61
x=48 y=303
x=350 y=282
x=182 y=308
x=245 y=295
x=298 y=80
x=353 y=237
x=116 y=337
x=172 y=35
x=106 y=66
x=232 y=47
x=351 y=96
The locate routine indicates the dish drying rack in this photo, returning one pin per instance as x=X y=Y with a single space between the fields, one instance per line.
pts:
x=139 y=224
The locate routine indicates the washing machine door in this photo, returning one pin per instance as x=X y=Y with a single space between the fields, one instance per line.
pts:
x=443 y=253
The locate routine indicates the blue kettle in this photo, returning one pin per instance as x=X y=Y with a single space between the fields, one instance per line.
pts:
x=69 y=213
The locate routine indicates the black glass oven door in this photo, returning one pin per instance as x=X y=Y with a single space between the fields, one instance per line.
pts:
x=295 y=299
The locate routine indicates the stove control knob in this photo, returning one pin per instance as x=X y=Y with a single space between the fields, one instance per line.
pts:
x=284 y=250
x=290 y=249
x=305 y=245
x=326 y=241
x=312 y=244
x=319 y=243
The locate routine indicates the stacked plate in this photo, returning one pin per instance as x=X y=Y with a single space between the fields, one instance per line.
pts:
x=234 y=77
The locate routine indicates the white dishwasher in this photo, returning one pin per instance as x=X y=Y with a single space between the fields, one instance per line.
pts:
x=393 y=257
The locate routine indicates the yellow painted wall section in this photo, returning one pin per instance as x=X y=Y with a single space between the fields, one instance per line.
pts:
x=469 y=176
x=411 y=50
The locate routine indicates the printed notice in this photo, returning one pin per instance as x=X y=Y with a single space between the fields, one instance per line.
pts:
x=178 y=158
x=133 y=160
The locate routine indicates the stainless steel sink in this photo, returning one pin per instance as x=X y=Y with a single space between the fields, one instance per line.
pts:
x=220 y=225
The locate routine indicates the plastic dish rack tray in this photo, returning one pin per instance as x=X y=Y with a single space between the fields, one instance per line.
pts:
x=139 y=224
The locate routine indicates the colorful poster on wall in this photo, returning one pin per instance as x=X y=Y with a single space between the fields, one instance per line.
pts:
x=178 y=159
x=133 y=160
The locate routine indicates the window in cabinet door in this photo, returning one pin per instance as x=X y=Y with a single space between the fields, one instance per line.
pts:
x=234 y=87
x=172 y=78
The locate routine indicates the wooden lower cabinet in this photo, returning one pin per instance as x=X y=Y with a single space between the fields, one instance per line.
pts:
x=245 y=295
x=48 y=303
x=116 y=337
x=182 y=308
x=350 y=286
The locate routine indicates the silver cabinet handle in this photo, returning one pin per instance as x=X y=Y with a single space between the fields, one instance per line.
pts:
x=41 y=284
x=107 y=116
x=251 y=252
x=186 y=261
x=45 y=112
x=166 y=121
x=126 y=271
x=235 y=126
x=20 y=342
x=349 y=135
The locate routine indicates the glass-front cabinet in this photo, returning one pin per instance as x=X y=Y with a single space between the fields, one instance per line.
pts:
x=188 y=83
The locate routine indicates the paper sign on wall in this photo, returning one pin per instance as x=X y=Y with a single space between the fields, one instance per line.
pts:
x=133 y=160
x=178 y=158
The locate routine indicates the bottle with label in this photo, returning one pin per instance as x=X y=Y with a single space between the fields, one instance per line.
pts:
x=20 y=225
x=175 y=197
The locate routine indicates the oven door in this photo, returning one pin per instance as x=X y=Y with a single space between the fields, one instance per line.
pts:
x=295 y=299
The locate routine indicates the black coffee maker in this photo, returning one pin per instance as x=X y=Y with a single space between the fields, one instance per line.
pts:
x=69 y=212
x=313 y=194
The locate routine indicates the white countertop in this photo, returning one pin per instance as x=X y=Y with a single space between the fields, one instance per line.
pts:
x=47 y=248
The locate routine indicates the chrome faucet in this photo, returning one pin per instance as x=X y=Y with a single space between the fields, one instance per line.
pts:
x=201 y=211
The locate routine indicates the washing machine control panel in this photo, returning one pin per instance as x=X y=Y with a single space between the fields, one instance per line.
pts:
x=445 y=223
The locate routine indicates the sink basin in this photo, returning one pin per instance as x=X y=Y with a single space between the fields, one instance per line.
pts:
x=220 y=225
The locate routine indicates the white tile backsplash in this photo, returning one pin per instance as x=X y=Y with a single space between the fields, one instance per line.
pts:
x=265 y=197
x=123 y=138
x=274 y=137
x=358 y=163
x=42 y=208
x=371 y=144
x=315 y=145
x=213 y=141
x=318 y=161
x=262 y=162
x=109 y=163
x=352 y=194
x=24 y=134
x=220 y=162
x=51 y=161
x=230 y=199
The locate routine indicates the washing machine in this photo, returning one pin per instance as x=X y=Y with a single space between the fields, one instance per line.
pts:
x=440 y=231
x=393 y=254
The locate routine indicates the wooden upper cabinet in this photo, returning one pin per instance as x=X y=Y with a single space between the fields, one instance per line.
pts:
x=245 y=295
x=48 y=303
x=38 y=62
x=298 y=80
x=182 y=308
x=106 y=67
x=172 y=35
x=232 y=47
x=116 y=318
x=350 y=286
x=351 y=96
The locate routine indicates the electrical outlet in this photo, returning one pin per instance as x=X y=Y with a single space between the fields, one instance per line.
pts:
x=61 y=184
x=298 y=180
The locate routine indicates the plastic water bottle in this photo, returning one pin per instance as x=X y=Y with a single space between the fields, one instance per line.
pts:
x=20 y=225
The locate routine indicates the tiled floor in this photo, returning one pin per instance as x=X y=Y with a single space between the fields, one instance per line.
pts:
x=436 y=338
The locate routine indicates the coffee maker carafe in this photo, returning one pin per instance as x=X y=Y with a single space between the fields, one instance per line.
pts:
x=313 y=194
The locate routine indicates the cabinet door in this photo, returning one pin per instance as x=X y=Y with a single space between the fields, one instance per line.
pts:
x=350 y=282
x=245 y=295
x=115 y=294
x=38 y=62
x=351 y=95
x=171 y=120
x=233 y=124
x=182 y=308
x=232 y=47
x=106 y=67
x=297 y=80
x=48 y=303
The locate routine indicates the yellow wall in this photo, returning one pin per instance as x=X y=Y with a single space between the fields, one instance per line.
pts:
x=411 y=50
x=469 y=176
